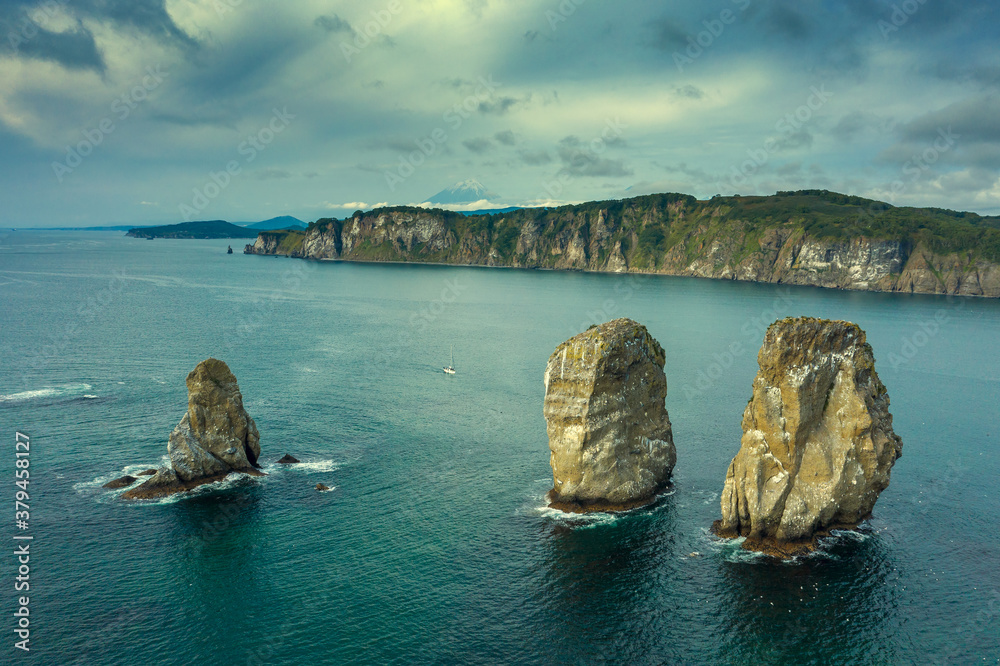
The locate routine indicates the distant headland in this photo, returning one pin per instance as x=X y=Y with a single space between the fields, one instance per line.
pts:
x=216 y=229
x=808 y=237
x=209 y=229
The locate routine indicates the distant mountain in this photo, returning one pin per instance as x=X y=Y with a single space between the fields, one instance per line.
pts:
x=468 y=191
x=279 y=223
x=209 y=229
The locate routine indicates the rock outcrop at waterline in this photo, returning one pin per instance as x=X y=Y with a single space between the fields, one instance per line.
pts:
x=812 y=238
x=609 y=433
x=818 y=443
x=120 y=482
x=215 y=437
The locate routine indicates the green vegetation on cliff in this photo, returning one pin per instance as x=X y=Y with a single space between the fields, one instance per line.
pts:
x=726 y=236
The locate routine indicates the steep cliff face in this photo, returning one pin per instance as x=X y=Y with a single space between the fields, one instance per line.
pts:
x=668 y=234
x=402 y=233
x=215 y=437
x=324 y=244
x=818 y=443
x=610 y=440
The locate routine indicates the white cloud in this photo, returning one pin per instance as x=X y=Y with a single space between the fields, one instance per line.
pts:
x=353 y=205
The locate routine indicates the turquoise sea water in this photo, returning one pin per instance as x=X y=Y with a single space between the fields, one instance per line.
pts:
x=434 y=546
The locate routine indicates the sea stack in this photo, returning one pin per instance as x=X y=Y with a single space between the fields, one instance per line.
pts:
x=817 y=442
x=610 y=438
x=214 y=438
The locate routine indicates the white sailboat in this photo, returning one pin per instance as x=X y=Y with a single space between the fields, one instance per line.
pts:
x=450 y=370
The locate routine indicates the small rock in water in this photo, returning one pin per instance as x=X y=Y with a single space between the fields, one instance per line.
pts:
x=287 y=460
x=147 y=472
x=321 y=487
x=122 y=482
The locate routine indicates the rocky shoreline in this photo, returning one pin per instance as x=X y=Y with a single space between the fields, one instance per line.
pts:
x=664 y=235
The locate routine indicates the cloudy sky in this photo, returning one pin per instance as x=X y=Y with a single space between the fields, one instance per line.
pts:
x=122 y=111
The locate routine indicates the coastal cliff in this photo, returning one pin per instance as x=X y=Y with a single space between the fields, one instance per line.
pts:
x=813 y=238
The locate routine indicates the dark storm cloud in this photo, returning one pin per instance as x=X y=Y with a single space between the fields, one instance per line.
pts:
x=209 y=117
x=149 y=17
x=506 y=137
x=976 y=119
x=668 y=35
x=271 y=174
x=800 y=139
x=333 y=23
x=27 y=29
x=73 y=49
x=985 y=75
x=534 y=157
x=692 y=172
x=478 y=146
x=499 y=106
x=690 y=92
x=938 y=67
x=790 y=169
x=782 y=19
x=966 y=134
x=855 y=125
x=395 y=144
x=253 y=65
x=579 y=159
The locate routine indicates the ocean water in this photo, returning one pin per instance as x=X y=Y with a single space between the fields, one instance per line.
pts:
x=433 y=545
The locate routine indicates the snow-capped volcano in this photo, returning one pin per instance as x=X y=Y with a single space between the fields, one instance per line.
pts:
x=468 y=191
